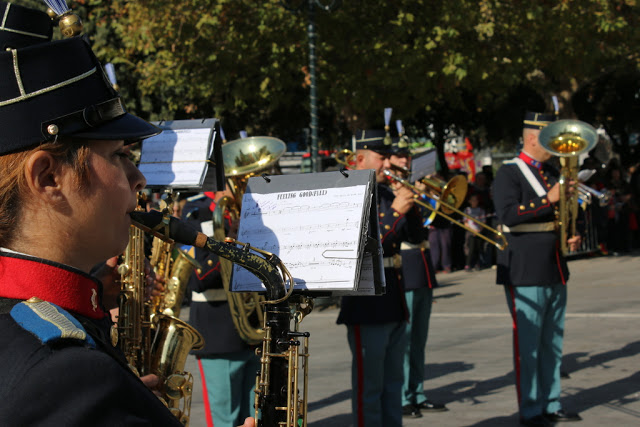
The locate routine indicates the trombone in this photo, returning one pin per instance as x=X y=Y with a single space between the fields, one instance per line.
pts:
x=449 y=192
x=346 y=158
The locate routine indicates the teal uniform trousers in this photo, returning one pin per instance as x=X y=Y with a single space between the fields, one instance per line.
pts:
x=538 y=325
x=417 y=329
x=376 y=373
x=230 y=383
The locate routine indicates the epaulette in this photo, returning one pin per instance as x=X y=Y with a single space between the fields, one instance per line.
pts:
x=49 y=323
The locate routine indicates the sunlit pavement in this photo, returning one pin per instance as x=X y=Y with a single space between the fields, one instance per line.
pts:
x=469 y=359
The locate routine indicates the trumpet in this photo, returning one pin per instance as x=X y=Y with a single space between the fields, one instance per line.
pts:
x=447 y=192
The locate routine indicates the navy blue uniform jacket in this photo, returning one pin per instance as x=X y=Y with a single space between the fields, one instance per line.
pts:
x=534 y=258
x=65 y=382
x=211 y=318
x=390 y=307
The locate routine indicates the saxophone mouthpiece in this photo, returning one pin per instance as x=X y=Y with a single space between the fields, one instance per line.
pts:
x=153 y=222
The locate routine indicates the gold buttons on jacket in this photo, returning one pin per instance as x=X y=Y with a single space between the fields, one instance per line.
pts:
x=396 y=214
x=210 y=262
x=522 y=207
x=533 y=205
x=544 y=201
x=381 y=214
x=387 y=227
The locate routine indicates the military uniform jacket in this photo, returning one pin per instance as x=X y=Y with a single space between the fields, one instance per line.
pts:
x=58 y=365
x=531 y=258
x=417 y=269
x=211 y=318
x=390 y=307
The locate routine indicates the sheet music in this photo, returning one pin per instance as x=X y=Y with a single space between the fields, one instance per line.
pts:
x=423 y=164
x=176 y=157
x=318 y=234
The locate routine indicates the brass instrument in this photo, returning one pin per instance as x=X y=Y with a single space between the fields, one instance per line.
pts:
x=587 y=194
x=176 y=267
x=153 y=342
x=279 y=399
x=243 y=158
x=134 y=323
x=346 y=158
x=567 y=139
x=448 y=199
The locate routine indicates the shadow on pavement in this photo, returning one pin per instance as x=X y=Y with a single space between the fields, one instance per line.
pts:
x=332 y=421
x=334 y=398
x=572 y=363
x=435 y=370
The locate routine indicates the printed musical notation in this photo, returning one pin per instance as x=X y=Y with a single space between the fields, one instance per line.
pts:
x=176 y=157
x=317 y=234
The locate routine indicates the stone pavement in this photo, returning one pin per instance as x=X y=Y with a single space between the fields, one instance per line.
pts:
x=469 y=360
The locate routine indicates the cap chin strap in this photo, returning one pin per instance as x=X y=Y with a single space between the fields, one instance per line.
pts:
x=89 y=117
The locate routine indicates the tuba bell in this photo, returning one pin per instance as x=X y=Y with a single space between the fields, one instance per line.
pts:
x=243 y=158
x=567 y=139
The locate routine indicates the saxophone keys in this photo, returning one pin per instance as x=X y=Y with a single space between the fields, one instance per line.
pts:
x=113 y=333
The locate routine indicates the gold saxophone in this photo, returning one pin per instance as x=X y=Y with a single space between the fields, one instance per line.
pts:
x=281 y=384
x=155 y=342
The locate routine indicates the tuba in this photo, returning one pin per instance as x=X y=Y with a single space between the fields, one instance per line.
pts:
x=154 y=342
x=243 y=158
x=567 y=139
x=281 y=385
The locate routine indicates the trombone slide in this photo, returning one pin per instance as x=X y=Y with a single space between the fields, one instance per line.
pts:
x=500 y=242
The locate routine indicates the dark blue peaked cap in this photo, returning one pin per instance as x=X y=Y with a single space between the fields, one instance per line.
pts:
x=374 y=140
x=400 y=146
x=537 y=120
x=59 y=89
x=21 y=26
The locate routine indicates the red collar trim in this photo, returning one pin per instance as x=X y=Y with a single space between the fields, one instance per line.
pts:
x=530 y=161
x=25 y=277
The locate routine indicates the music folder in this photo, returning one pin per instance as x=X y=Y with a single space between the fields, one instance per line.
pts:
x=323 y=226
x=187 y=155
x=423 y=164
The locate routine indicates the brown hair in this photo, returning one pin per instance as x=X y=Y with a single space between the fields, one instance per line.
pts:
x=13 y=183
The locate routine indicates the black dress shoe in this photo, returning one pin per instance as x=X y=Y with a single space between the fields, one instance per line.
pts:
x=537 y=421
x=561 y=415
x=411 y=411
x=429 y=406
x=565 y=375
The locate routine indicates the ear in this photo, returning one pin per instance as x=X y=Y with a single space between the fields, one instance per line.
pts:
x=44 y=176
x=360 y=156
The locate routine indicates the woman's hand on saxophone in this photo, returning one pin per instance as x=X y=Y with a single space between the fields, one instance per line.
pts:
x=249 y=422
x=154 y=284
x=153 y=383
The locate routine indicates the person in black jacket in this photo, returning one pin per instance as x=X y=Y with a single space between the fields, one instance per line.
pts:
x=228 y=365
x=67 y=187
x=419 y=281
x=376 y=324
x=534 y=274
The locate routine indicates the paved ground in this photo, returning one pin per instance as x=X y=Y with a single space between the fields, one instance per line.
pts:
x=469 y=363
